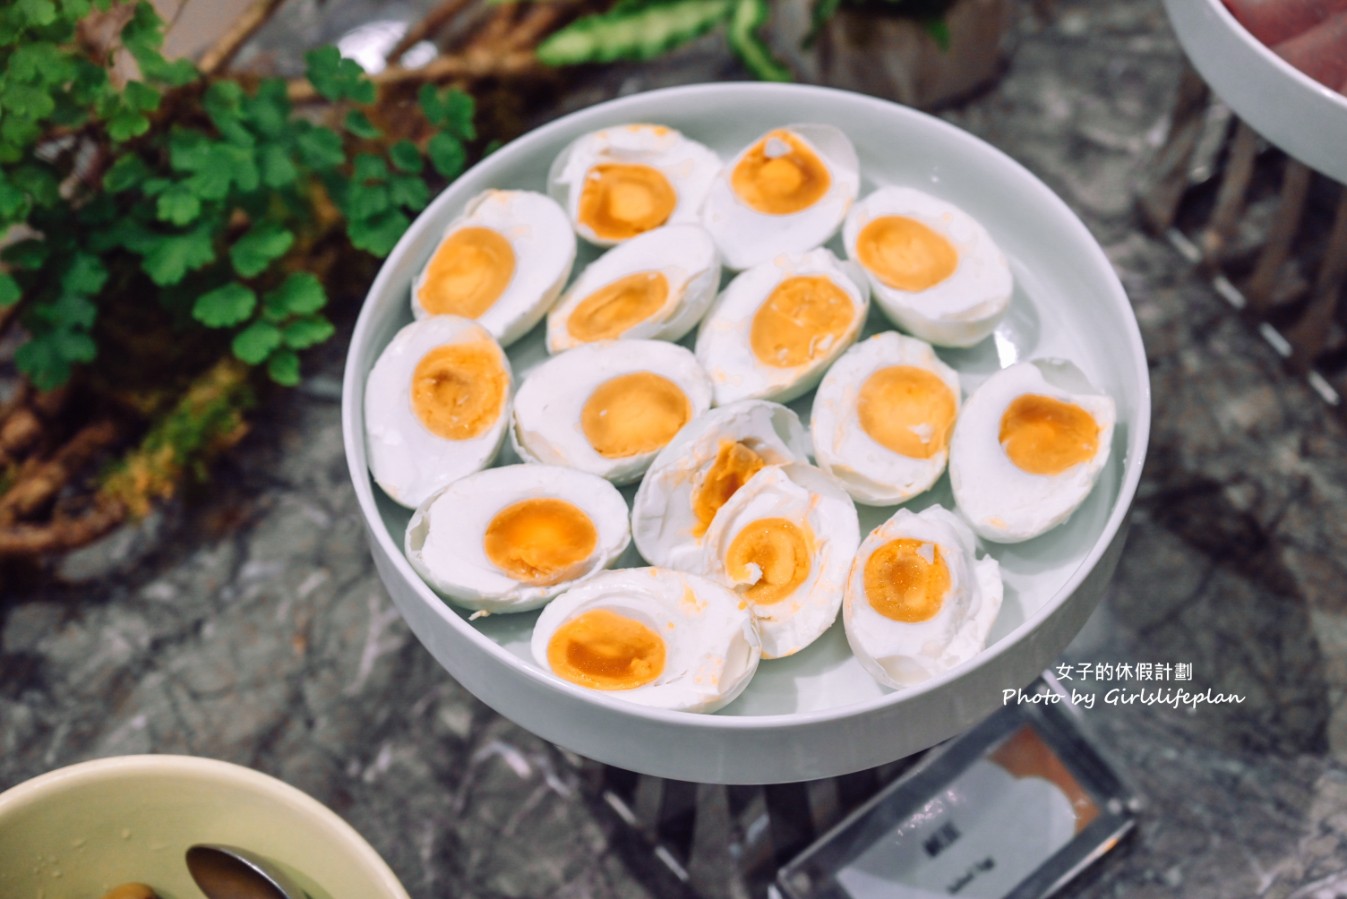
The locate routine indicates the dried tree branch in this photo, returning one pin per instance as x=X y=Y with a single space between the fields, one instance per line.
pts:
x=245 y=26
x=40 y=480
x=8 y=316
x=495 y=33
x=474 y=66
x=61 y=534
x=537 y=22
x=20 y=429
x=425 y=29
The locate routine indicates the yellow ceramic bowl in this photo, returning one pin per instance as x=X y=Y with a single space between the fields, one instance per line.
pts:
x=79 y=831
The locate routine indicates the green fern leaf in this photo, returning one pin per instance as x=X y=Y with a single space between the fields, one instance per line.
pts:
x=748 y=17
x=633 y=32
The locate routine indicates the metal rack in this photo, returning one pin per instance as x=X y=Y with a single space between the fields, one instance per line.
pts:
x=728 y=842
x=733 y=842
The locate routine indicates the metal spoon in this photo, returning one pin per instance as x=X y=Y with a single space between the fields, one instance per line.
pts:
x=227 y=872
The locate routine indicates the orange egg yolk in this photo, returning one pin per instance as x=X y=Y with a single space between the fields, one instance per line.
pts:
x=906 y=580
x=774 y=555
x=458 y=390
x=905 y=254
x=634 y=413
x=621 y=200
x=616 y=308
x=779 y=175
x=735 y=463
x=801 y=321
x=540 y=541
x=1043 y=435
x=131 y=891
x=908 y=410
x=468 y=273
x=604 y=650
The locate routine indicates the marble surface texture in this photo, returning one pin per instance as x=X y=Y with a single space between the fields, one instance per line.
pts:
x=247 y=623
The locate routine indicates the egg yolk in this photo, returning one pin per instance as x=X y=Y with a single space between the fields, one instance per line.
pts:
x=905 y=254
x=779 y=550
x=468 y=273
x=906 y=580
x=779 y=175
x=801 y=321
x=735 y=463
x=540 y=541
x=907 y=409
x=616 y=308
x=604 y=650
x=1043 y=435
x=621 y=200
x=633 y=414
x=458 y=390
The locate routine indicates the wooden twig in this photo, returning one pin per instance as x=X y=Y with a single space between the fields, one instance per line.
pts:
x=427 y=28
x=40 y=480
x=20 y=429
x=245 y=26
x=466 y=67
x=61 y=534
x=537 y=22
x=1159 y=200
x=1230 y=198
x=1310 y=335
x=495 y=33
x=1260 y=288
x=8 y=316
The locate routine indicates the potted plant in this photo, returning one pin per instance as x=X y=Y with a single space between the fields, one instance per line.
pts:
x=167 y=236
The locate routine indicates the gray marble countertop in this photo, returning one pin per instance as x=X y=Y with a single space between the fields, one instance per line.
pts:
x=248 y=624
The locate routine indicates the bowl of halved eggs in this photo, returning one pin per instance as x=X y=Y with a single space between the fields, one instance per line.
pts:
x=746 y=433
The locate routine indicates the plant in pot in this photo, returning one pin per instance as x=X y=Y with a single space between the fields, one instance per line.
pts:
x=924 y=53
x=167 y=238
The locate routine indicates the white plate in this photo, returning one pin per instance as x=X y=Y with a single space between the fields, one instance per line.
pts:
x=815 y=714
x=1290 y=109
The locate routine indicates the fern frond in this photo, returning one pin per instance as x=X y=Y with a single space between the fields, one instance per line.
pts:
x=636 y=31
x=747 y=18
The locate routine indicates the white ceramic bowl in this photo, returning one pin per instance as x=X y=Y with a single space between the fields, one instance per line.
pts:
x=815 y=714
x=1290 y=109
x=82 y=830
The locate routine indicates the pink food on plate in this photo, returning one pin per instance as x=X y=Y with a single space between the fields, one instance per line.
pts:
x=1274 y=21
x=1321 y=52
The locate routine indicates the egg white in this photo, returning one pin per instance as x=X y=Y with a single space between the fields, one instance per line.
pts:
x=1002 y=502
x=686 y=257
x=662 y=519
x=547 y=408
x=747 y=237
x=689 y=166
x=965 y=307
x=723 y=341
x=900 y=654
x=804 y=495
x=871 y=472
x=544 y=248
x=409 y=462
x=444 y=539
x=711 y=644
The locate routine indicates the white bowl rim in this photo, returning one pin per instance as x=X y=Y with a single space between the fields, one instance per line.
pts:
x=353 y=390
x=32 y=791
x=1266 y=53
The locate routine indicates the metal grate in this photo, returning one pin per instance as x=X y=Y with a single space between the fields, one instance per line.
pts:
x=727 y=842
